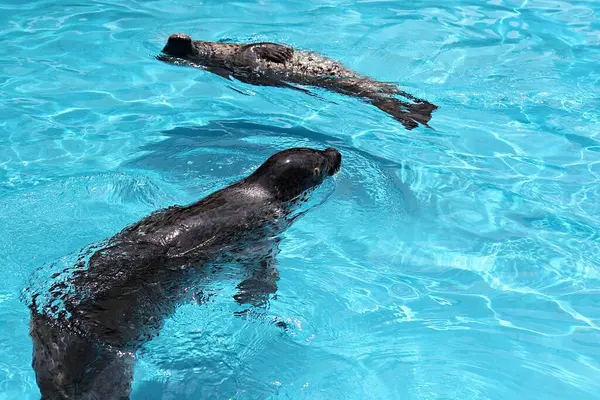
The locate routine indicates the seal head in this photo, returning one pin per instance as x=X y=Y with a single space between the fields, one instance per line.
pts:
x=179 y=45
x=290 y=173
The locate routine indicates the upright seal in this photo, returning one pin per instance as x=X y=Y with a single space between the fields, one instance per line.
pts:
x=272 y=64
x=117 y=297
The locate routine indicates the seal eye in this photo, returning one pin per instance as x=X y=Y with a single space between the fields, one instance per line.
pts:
x=317 y=171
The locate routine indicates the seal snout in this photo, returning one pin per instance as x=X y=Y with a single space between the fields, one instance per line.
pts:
x=178 y=44
x=334 y=160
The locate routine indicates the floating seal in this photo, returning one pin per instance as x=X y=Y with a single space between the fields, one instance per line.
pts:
x=272 y=64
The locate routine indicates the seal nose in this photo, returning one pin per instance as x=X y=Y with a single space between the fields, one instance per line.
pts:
x=334 y=158
x=178 y=44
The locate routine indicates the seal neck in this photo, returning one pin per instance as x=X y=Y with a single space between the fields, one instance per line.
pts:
x=282 y=190
x=202 y=49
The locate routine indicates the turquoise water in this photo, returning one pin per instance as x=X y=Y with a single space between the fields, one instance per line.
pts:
x=459 y=262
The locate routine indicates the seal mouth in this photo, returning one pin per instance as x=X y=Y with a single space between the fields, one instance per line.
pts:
x=334 y=160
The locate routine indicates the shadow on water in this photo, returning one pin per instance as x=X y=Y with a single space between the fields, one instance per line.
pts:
x=220 y=151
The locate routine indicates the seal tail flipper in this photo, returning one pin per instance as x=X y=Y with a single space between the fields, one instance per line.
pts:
x=410 y=115
x=422 y=111
x=382 y=95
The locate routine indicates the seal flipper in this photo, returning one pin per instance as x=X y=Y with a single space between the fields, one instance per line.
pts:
x=255 y=291
x=273 y=52
x=262 y=282
x=410 y=115
x=217 y=70
x=381 y=95
x=257 y=79
x=221 y=71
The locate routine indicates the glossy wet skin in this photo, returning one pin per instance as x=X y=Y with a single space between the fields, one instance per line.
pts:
x=179 y=45
x=118 y=300
x=290 y=173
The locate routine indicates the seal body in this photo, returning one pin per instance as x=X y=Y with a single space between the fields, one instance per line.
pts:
x=118 y=296
x=272 y=64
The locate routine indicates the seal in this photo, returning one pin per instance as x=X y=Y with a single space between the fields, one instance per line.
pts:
x=117 y=296
x=272 y=64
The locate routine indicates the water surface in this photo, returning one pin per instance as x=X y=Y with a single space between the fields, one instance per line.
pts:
x=459 y=262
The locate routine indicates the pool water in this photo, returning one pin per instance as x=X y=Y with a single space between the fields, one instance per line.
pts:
x=458 y=262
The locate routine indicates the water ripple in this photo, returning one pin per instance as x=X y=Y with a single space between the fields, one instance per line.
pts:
x=453 y=262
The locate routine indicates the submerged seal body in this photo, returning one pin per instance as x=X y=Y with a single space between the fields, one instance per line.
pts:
x=117 y=297
x=272 y=64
